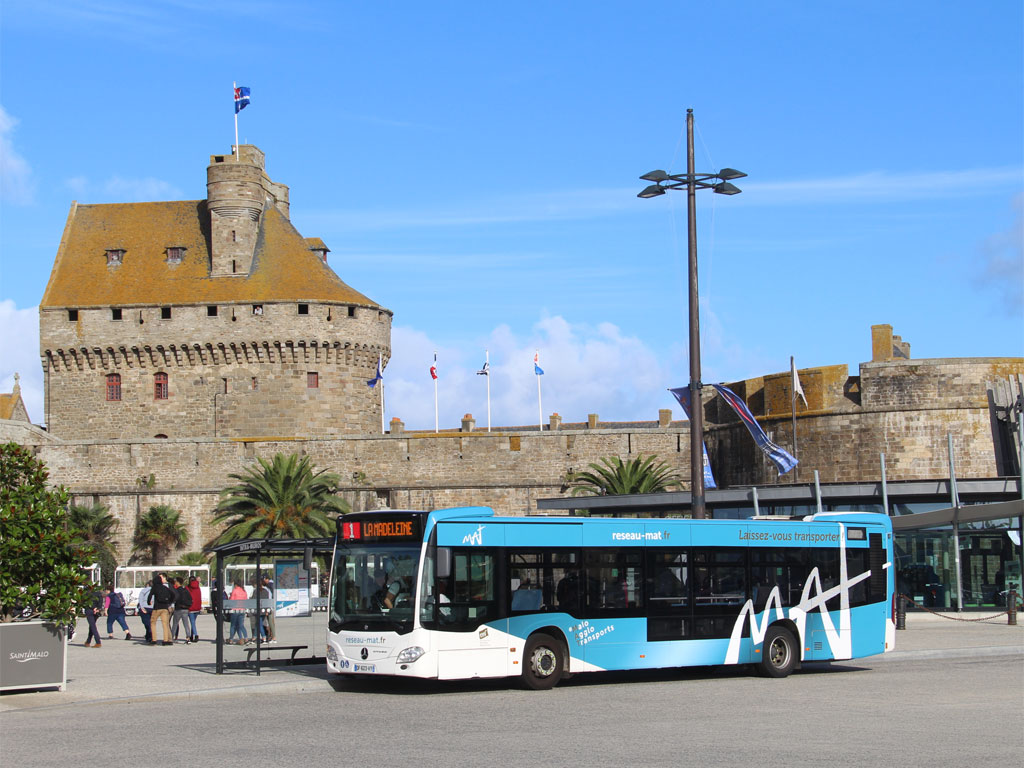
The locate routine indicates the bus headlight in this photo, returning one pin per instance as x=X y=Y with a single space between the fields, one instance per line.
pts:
x=409 y=655
x=332 y=655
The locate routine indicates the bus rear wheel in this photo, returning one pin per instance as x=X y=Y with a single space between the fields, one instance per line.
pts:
x=778 y=654
x=543 y=662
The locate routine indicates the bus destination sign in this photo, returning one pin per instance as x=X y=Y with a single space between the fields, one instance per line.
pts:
x=391 y=528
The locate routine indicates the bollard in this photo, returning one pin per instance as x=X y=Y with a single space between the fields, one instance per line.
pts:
x=901 y=612
x=1011 y=606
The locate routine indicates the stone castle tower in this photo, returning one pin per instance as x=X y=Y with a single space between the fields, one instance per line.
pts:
x=208 y=318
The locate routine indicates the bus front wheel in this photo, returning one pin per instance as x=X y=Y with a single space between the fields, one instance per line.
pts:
x=778 y=654
x=543 y=662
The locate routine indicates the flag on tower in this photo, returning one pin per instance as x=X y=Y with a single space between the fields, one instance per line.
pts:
x=433 y=368
x=797 y=389
x=782 y=459
x=536 y=367
x=485 y=371
x=379 y=377
x=241 y=98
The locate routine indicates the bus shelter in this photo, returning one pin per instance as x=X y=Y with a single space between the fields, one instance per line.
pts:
x=282 y=617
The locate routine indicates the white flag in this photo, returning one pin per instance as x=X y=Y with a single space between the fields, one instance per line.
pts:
x=797 y=389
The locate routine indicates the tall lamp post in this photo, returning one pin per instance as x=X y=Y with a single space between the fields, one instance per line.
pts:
x=691 y=182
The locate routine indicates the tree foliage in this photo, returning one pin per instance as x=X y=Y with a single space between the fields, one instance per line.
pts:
x=613 y=477
x=97 y=526
x=40 y=550
x=193 y=558
x=159 y=531
x=283 y=498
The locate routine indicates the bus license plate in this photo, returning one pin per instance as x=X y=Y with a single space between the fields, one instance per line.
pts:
x=365 y=667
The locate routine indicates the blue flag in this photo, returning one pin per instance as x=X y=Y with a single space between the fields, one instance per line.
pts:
x=682 y=394
x=379 y=377
x=782 y=460
x=536 y=368
x=241 y=98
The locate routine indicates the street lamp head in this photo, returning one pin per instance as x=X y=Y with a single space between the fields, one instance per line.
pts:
x=728 y=174
x=655 y=176
x=653 y=191
x=725 y=188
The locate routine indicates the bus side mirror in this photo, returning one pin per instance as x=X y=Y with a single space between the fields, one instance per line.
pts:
x=444 y=562
x=307 y=559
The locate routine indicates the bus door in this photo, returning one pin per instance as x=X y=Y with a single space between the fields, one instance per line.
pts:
x=461 y=580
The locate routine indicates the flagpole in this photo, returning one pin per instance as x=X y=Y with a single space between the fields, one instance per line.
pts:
x=792 y=386
x=234 y=87
x=487 y=365
x=435 y=393
x=540 y=410
x=380 y=359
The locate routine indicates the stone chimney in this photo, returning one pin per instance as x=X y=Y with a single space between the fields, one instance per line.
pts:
x=397 y=426
x=885 y=346
x=555 y=423
x=665 y=417
x=591 y=421
x=468 y=422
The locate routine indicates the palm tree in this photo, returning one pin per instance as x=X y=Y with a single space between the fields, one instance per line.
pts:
x=615 y=477
x=97 y=527
x=159 y=530
x=284 y=498
x=193 y=558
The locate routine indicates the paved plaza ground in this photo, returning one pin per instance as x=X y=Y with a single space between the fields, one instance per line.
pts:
x=133 y=670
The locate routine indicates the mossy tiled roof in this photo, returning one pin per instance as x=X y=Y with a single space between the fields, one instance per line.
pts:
x=284 y=268
x=7 y=403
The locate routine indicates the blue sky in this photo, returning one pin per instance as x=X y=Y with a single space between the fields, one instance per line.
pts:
x=474 y=168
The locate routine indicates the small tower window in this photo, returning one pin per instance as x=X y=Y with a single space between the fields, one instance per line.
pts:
x=115 y=256
x=165 y=313
x=312 y=379
x=211 y=311
x=115 y=313
x=160 y=386
x=72 y=315
x=351 y=311
x=303 y=309
x=113 y=386
x=257 y=309
x=175 y=255
x=255 y=384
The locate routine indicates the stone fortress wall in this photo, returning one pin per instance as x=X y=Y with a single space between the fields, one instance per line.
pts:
x=901 y=408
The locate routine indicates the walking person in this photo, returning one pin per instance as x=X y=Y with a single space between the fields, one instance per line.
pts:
x=163 y=601
x=196 y=594
x=94 y=609
x=145 y=608
x=114 y=604
x=256 y=620
x=237 y=614
x=182 y=605
x=268 y=596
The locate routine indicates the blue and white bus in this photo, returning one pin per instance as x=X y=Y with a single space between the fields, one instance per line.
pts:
x=463 y=593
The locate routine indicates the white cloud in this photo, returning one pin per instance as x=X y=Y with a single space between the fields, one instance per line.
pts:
x=582 y=204
x=118 y=189
x=19 y=353
x=587 y=369
x=876 y=186
x=1002 y=261
x=16 y=182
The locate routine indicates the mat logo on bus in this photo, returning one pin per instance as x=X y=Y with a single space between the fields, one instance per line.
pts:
x=476 y=538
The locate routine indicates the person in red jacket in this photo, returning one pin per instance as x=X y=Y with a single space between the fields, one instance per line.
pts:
x=196 y=608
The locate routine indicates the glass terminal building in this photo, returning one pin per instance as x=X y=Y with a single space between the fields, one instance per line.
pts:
x=937 y=524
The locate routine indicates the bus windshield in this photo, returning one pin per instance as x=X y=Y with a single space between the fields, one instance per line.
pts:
x=372 y=588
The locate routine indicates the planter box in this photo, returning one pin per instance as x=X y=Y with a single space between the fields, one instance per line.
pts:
x=33 y=654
